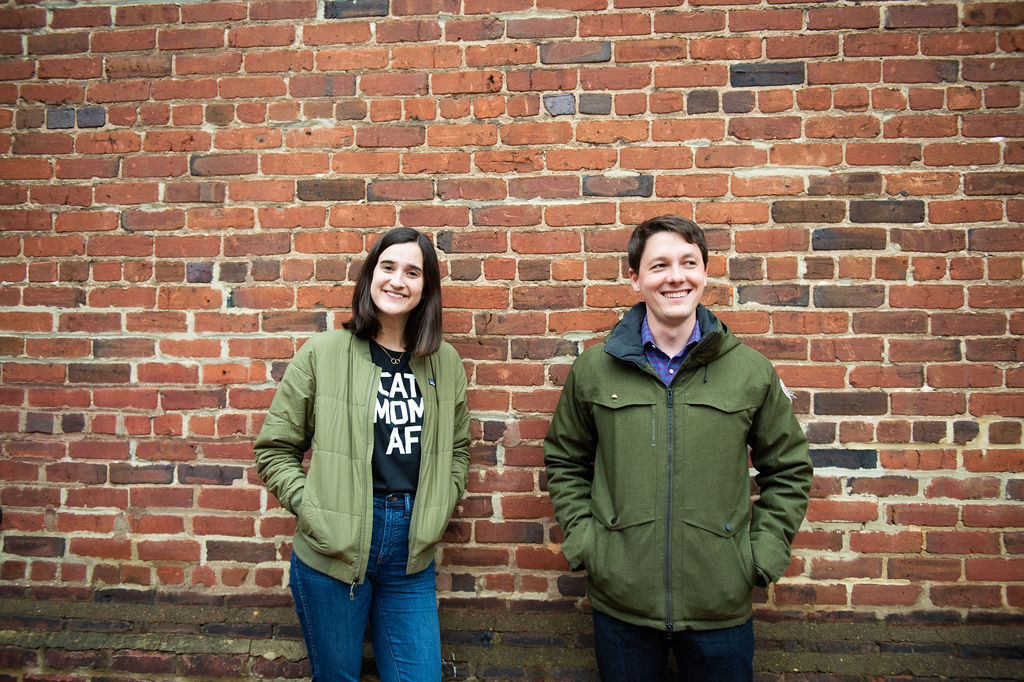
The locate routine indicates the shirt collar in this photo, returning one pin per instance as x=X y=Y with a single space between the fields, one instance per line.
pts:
x=647 y=338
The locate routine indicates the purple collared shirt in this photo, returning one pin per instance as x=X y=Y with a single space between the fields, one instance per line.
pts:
x=665 y=366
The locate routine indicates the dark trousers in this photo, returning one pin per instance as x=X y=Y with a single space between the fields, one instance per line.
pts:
x=633 y=653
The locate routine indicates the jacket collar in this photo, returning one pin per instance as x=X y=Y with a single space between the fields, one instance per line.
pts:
x=624 y=341
x=423 y=367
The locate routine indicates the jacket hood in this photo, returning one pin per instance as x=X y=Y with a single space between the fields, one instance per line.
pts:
x=624 y=343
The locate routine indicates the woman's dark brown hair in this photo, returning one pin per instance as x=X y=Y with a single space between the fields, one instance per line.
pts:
x=422 y=333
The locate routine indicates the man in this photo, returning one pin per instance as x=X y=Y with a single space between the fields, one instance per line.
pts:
x=648 y=472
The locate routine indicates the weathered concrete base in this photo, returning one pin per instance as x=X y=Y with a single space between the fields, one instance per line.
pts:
x=123 y=635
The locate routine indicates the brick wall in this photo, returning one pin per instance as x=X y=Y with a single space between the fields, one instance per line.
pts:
x=188 y=189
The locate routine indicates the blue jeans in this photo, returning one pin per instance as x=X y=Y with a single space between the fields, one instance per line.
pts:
x=401 y=609
x=628 y=652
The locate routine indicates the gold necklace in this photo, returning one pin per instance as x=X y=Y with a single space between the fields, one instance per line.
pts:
x=394 y=360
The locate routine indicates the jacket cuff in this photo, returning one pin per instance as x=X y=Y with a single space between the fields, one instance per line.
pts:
x=771 y=555
x=296 y=501
x=574 y=543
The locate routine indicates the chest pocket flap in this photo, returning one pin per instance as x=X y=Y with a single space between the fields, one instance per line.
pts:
x=723 y=401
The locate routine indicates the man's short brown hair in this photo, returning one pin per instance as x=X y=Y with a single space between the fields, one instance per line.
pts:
x=684 y=227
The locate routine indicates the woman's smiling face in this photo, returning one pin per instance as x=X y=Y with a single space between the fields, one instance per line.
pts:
x=397 y=285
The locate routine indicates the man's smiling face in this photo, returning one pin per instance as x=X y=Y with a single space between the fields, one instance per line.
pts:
x=671 y=279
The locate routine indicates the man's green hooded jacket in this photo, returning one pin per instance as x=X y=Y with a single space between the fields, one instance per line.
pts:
x=651 y=484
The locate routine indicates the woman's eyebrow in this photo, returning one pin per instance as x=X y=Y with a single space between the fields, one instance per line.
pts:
x=387 y=261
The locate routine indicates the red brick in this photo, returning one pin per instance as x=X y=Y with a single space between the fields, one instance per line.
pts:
x=993 y=460
x=101 y=548
x=922 y=514
x=871 y=594
x=842 y=510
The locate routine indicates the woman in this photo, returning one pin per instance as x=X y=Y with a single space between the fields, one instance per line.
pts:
x=382 y=405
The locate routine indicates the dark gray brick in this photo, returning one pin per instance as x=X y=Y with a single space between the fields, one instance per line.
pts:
x=928 y=432
x=595 y=103
x=350 y=110
x=465 y=269
x=993 y=183
x=844 y=459
x=633 y=186
x=92 y=117
x=702 y=102
x=223 y=164
x=887 y=211
x=753 y=75
x=60 y=117
x=72 y=423
x=738 y=102
x=560 y=104
x=125 y=473
x=746 y=268
x=844 y=184
x=340 y=189
x=346 y=9
x=848 y=238
x=100 y=373
x=199 y=272
x=859 y=403
x=38 y=423
x=293 y=321
x=964 y=432
x=234 y=272
x=208 y=474
x=247 y=552
x=856 y=296
x=821 y=432
x=576 y=52
x=27 y=545
x=819 y=268
x=774 y=294
x=534 y=270
x=266 y=270
x=808 y=211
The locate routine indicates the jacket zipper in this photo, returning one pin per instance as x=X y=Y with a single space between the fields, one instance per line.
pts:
x=668 y=516
x=668 y=523
x=430 y=370
x=370 y=403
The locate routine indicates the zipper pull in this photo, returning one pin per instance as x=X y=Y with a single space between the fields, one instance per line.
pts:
x=668 y=631
x=352 y=592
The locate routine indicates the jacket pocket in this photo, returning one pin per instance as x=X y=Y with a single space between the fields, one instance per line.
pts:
x=629 y=464
x=713 y=463
x=331 y=532
x=431 y=516
x=718 y=569
x=621 y=568
x=718 y=417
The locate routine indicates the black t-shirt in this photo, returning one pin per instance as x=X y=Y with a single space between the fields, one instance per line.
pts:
x=397 y=424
